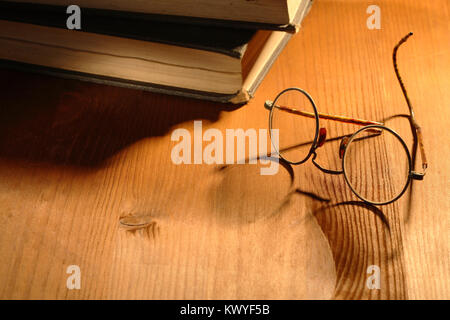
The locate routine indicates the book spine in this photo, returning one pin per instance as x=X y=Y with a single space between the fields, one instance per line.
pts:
x=301 y=14
x=255 y=77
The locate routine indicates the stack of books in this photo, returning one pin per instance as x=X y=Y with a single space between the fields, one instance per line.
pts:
x=218 y=50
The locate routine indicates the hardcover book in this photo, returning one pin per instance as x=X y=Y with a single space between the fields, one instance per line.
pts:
x=215 y=63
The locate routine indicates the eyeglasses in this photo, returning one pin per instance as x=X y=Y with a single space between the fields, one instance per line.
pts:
x=376 y=162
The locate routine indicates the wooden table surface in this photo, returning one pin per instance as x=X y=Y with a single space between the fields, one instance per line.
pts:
x=76 y=157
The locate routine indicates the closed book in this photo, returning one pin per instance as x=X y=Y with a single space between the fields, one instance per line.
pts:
x=260 y=14
x=214 y=63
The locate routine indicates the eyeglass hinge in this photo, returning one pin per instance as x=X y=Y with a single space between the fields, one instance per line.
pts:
x=417 y=175
x=268 y=105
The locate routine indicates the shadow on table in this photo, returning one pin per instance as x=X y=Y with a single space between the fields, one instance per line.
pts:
x=360 y=204
x=61 y=121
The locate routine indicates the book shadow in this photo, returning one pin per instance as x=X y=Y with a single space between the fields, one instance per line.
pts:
x=69 y=122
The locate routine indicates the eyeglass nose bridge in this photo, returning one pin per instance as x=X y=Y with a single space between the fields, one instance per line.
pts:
x=318 y=166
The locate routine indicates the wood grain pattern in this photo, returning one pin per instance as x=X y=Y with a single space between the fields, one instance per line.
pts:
x=78 y=165
x=75 y=158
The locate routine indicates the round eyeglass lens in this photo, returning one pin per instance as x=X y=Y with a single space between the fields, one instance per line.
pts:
x=377 y=165
x=293 y=125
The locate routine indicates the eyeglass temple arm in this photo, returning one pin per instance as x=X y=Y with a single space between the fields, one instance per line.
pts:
x=415 y=125
x=269 y=105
